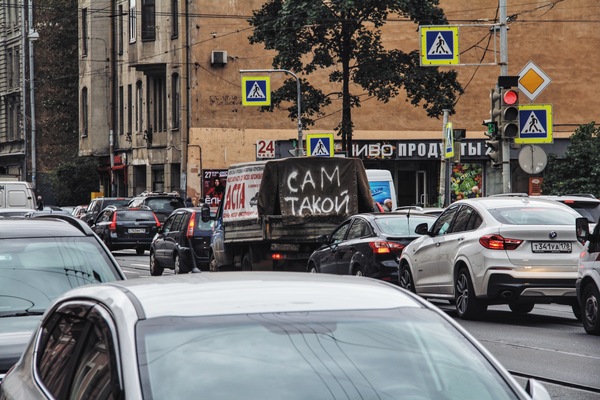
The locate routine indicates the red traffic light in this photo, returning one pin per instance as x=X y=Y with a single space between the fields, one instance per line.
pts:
x=510 y=97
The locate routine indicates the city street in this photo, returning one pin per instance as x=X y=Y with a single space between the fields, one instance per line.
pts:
x=548 y=344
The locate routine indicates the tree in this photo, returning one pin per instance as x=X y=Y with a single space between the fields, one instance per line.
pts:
x=579 y=171
x=316 y=34
x=74 y=181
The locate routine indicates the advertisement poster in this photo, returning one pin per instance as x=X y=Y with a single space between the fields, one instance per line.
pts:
x=466 y=181
x=214 y=187
x=380 y=191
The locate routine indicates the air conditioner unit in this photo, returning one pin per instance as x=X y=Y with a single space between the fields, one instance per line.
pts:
x=218 y=57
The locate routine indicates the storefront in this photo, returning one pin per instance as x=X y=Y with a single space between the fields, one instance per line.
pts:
x=415 y=166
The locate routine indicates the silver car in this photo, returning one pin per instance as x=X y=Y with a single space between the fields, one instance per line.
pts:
x=496 y=250
x=255 y=335
x=588 y=281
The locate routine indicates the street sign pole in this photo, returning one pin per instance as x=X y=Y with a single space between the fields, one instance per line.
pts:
x=504 y=72
x=299 y=148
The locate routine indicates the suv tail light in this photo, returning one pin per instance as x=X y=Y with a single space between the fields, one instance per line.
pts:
x=191 y=225
x=113 y=224
x=497 y=242
x=157 y=221
x=384 y=247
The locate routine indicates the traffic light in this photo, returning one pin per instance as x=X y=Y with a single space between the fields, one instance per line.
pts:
x=509 y=114
x=496 y=106
x=494 y=151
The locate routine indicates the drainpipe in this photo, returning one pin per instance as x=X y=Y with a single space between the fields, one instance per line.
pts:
x=185 y=131
x=113 y=94
x=24 y=90
x=31 y=36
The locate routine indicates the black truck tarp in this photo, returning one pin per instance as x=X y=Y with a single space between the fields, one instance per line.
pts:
x=309 y=189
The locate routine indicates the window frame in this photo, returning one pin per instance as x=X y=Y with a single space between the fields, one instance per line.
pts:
x=148 y=20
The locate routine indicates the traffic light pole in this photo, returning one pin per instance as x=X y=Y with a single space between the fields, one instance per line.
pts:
x=506 y=187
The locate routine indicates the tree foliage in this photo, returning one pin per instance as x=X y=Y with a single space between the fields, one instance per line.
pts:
x=579 y=171
x=344 y=36
x=73 y=181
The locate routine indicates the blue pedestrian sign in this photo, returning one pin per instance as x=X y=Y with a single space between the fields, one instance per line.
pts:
x=256 y=91
x=439 y=45
x=320 y=145
x=535 y=124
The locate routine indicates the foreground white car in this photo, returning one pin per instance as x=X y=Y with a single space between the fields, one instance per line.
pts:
x=255 y=335
x=496 y=250
x=588 y=281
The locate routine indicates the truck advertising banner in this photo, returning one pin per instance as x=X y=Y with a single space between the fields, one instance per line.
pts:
x=243 y=183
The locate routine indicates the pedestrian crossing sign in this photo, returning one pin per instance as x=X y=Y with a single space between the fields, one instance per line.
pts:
x=256 y=91
x=439 y=45
x=535 y=124
x=320 y=145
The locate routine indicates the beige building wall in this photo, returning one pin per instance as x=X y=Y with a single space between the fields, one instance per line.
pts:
x=554 y=36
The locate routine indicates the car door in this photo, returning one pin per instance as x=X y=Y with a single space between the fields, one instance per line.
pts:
x=101 y=223
x=159 y=241
x=171 y=238
x=328 y=256
x=426 y=255
x=457 y=242
x=351 y=245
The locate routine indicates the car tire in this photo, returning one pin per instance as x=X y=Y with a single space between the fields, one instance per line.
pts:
x=155 y=268
x=576 y=308
x=590 y=309
x=467 y=305
x=405 y=279
x=312 y=268
x=177 y=266
x=521 y=308
x=247 y=262
x=357 y=271
x=139 y=251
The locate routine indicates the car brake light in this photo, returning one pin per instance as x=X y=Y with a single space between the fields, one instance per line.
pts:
x=157 y=221
x=191 y=224
x=384 y=247
x=113 y=224
x=497 y=242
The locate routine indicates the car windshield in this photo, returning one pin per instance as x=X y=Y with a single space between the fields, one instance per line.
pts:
x=129 y=215
x=373 y=354
x=533 y=216
x=589 y=210
x=35 y=272
x=164 y=204
x=401 y=225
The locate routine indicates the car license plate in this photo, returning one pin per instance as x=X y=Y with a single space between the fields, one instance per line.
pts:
x=551 y=247
x=137 y=230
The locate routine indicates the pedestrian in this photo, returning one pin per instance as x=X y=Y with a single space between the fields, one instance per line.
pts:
x=40 y=204
x=474 y=192
x=387 y=205
x=189 y=202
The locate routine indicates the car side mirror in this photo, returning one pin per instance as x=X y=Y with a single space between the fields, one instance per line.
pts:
x=422 y=229
x=205 y=213
x=322 y=239
x=582 y=229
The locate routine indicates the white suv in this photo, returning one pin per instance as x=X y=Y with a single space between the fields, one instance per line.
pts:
x=588 y=281
x=496 y=250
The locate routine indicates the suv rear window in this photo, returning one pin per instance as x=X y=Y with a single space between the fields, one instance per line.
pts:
x=533 y=216
x=165 y=204
x=115 y=202
x=135 y=215
x=204 y=226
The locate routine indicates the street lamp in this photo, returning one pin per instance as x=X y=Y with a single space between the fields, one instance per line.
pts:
x=32 y=36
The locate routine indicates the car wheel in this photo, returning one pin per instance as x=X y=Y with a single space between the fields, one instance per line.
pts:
x=467 y=305
x=247 y=262
x=177 y=265
x=312 y=268
x=590 y=310
x=406 y=280
x=212 y=264
x=155 y=268
x=576 y=307
x=521 y=308
x=139 y=251
x=357 y=271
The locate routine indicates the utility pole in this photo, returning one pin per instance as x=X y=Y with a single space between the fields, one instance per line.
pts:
x=443 y=162
x=506 y=187
x=113 y=95
x=32 y=35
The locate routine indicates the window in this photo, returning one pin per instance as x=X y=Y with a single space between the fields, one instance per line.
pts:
x=13 y=117
x=157 y=100
x=9 y=68
x=175 y=101
x=466 y=220
x=84 y=112
x=132 y=22
x=148 y=20
x=174 y=19
x=338 y=235
x=13 y=67
x=158 y=178
x=84 y=32
x=139 y=100
x=129 y=109
x=442 y=225
x=121 y=110
x=359 y=229
x=120 y=28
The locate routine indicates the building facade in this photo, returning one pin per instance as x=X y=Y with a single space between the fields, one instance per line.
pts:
x=161 y=98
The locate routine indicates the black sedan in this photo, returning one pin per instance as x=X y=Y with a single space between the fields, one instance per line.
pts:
x=126 y=228
x=183 y=242
x=368 y=245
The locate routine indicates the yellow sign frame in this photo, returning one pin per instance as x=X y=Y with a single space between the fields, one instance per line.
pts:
x=430 y=60
x=328 y=136
x=267 y=88
x=548 y=138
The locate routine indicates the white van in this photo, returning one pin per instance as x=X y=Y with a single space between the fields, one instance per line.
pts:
x=382 y=186
x=17 y=194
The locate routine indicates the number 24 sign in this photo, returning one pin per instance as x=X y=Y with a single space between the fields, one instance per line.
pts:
x=265 y=149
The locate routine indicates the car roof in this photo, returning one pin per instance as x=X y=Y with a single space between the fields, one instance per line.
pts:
x=43 y=225
x=570 y=198
x=204 y=294
x=509 y=201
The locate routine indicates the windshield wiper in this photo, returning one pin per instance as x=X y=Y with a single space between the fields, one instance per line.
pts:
x=22 y=314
